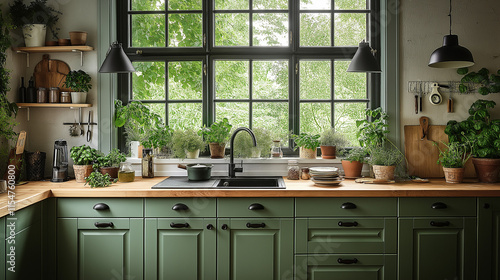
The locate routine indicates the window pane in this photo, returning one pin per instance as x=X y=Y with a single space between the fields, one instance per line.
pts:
x=237 y=113
x=184 y=5
x=350 y=29
x=231 y=4
x=148 y=81
x=315 y=30
x=315 y=117
x=272 y=116
x=270 y=4
x=185 y=80
x=315 y=79
x=349 y=85
x=231 y=30
x=270 y=79
x=346 y=115
x=270 y=29
x=185 y=30
x=185 y=115
x=231 y=80
x=350 y=5
x=315 y=4
x=148 y=31
x=148 y=5
x=158 y=109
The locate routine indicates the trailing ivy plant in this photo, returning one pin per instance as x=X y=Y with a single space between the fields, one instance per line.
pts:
x=488 y=83
x=37 y=12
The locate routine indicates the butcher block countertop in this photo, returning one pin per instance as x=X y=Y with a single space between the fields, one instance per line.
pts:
x=34 y=192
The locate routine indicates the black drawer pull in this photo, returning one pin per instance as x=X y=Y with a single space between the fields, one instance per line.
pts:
x=439 y=224
x=103 y=225
x=210 y=226
x=180 y=225
x=256 y=206
x=348 y=224
x=439 y=205
x=180 y=206
x=348 y=205
x=342 y=261
x=224 y=227
x=101 y=206
x=250 y=225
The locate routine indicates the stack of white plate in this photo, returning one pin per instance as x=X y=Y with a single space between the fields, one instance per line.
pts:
x=325 y=176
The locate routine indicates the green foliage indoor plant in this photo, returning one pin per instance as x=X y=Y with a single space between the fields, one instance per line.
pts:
x=384 y=161
x=217 y=135
x=353 y=161
x=79 y=83
x=99 y=180
x=372 y=131
x=453 y=160
x=244 y=148
x=110 y=163
x=187 y=144
x=308 y=144
x=83 y=157
x=488 y=83
x=331 y=141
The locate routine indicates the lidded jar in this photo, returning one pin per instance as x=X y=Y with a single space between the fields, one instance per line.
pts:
x=126 y=173
x=293 y=170
x=276 y=151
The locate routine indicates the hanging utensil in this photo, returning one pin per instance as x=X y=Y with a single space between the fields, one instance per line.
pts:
x=450 y=104
x=80 y=121
x=73 y=129
x=89 y=133
x=416 y=103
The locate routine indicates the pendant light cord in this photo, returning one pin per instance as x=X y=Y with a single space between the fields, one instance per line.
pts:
x=450 y=17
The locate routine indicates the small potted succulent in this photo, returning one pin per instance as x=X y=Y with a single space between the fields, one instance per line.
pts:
x=216 y=136
x=110 y=163
x=79 y=83
x=308 y=144
x=83 y=157
x=353 y=161
x=187 y=144
x=331 y=141
x=453 y=160
x=384 y=161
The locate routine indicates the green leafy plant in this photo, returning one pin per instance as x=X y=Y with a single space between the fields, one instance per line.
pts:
x=78 y=81
x=331 y=138
x=98 y=180
x=455 y=155
x=354 y=154
x=306 y=141
x=218 y=132
x=186 y=140
x=487 y=83
x=37 y=12
x=386 y=156
x=112 y=159
x=243 y=144
x=372 y=132
x=83 y=155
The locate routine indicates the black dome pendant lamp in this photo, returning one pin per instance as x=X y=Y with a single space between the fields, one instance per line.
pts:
x=451 y=54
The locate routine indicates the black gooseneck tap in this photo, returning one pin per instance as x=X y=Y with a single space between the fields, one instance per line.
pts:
x=232 y=168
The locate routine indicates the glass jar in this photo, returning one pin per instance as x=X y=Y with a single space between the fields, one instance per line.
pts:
x=276 y=151
x=293 y=170
x=147 y=163
x=54 y=95
x=42 y=96
x=304 y=174
x=126 y=173
x=65 y=97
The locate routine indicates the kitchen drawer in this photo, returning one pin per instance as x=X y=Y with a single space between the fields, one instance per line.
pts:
x=346 y=235
x=346 y=207
x=180 y=207
x=255 y=207
x=439 y=206
x=110 y=207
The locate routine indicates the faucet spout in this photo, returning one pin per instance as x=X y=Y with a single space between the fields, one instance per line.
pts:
x=232 y=169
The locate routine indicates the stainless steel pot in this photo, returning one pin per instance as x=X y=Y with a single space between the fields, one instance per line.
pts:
x=197 y=172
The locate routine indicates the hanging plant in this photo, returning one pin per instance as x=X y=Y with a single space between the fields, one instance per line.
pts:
x=487 y=83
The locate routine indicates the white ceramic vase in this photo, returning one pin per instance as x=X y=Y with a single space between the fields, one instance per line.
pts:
x=134 y=149
x=193 y=154
x=34 y=35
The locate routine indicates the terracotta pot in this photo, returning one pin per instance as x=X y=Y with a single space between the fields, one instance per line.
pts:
x=78 y=38
x=487 y=169
x=454 y=175
x=307 y=153
x=383 y=172
x=63 y=42
x=112 y=171
x=51 y=43
x=328 y=152
x=352 y=169
x=81 y=172
x=217 y=150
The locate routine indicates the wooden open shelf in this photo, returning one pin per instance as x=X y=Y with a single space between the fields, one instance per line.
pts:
x=52 y=105
x=53 y=49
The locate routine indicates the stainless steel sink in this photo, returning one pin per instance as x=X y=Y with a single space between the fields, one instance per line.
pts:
x=250 y=183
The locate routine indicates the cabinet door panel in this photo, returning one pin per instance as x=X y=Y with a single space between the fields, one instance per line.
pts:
x=488 y=264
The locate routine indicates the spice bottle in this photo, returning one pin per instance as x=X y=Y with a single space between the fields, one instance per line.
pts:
x=304 y=174
x=22 y=92
x=31 y=92
x=147 y=163
x=293 y=170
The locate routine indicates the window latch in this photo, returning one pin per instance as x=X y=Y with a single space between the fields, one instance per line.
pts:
x=205 y=69
x=297 y=68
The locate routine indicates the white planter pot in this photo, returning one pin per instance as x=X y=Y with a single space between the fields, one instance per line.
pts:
x=193 y=154
x=34 y=35
x=134 y=149
x=78 y=97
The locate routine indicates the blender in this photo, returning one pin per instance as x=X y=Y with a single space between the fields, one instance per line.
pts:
x=60 y=161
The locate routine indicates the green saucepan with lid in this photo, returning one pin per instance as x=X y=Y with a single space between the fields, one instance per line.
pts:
x=197 y=171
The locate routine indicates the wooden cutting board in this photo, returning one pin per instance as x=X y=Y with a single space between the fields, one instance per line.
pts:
x=51 y=73
x=422 y=155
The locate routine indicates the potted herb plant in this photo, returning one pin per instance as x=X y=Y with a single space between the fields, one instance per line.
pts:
x=187 y=144
x=79 y=83
x=372 y=131
x=83 y=157
x=453 y=160
x=479 y=129
x=384 y=161
x=110 y=163
x=353 y=161
x=330 y=142
x=34 y=19
x=99 y=180
x=308 y=144
x=216 y=136
x=244 y=148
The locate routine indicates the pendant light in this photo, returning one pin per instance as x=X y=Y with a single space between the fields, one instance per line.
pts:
x=364 y=60
x=116 y=61
x=451 y=54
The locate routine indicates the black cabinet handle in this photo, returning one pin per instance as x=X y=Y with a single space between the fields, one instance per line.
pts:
x=224 y=227
x=439 y=205
x=103 y=225
x=179 y=225
x=348 y=205
x=342 y=261
x=439 y=224
x=486 y=206
x=256 y=206
x=101 y=206
x=210 y=226
x=347 y=224
x=261 y=225
x=180 y=206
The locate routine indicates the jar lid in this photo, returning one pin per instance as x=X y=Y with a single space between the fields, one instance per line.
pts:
x=54 y=88
x=42 y=88
x=292 y=161
x=65 y=92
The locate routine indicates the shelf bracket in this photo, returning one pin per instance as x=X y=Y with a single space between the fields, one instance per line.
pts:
x=27 y=58
x=81 y=56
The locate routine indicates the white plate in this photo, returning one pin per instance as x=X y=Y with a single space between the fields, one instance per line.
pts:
x=323 y=169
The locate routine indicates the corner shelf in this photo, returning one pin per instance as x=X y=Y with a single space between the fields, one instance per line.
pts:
x=52 y=49
x=51 y=105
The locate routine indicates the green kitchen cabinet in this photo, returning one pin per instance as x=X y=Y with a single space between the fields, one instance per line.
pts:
x=3 y=243
x=488 y=241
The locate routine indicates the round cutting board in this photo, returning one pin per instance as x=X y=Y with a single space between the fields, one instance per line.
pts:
x=51 y=73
